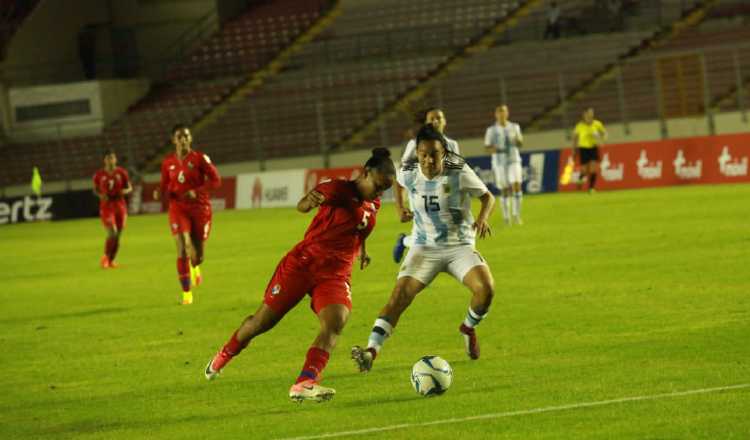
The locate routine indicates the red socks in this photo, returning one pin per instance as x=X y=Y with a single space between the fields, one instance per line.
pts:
x=315 y=362
x=233 y=347
x=183 y=272
x=110 y=247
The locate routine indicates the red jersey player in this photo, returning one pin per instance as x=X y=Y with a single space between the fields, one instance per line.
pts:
x=187 y=176
x=319 y=266
x=111 y=185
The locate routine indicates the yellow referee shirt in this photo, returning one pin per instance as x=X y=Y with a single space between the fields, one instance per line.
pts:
x=589 y=135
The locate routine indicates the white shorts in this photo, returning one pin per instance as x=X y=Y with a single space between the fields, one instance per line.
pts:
x=424 y=263
x=507 y=174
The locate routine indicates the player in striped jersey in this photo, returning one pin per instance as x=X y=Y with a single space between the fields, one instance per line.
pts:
x=440 y=187
x=502 y=140
x=436 y=117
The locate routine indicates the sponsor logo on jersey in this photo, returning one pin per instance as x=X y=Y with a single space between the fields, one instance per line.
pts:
x=732 y=167
x=684 y=169
x=612 y=172
x=648 y=170
x=171 y=167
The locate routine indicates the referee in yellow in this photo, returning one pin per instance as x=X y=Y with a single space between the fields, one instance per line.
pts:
x=588 y=135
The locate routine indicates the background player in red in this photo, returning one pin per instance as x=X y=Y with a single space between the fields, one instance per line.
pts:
x=187 y=176
x=321 y=266
x=111 y=185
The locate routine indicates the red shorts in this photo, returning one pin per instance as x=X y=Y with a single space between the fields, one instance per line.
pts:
x=194 y=219
x=298 y=275
x=114 y=214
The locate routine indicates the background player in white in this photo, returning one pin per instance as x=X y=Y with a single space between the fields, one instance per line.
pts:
x=435 y=117
x=440 y=187
x=502 y=140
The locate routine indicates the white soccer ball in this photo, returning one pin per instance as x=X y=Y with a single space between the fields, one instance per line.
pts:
x=431 y=376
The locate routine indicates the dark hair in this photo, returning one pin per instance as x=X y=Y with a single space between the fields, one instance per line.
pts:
x=107 y=152
x=429 y=133
x=381 y=161
x=421 y=115
x=178 y=127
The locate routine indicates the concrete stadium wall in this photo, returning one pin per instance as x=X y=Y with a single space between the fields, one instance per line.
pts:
x=45 y=49
x=46 y=46
x=118 y=95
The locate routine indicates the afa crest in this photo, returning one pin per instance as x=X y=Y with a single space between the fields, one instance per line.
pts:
x=275 y=290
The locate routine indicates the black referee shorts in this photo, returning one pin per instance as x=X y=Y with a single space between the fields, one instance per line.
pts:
x=589 y=154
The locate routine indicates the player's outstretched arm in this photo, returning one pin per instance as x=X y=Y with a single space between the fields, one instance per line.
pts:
x=482 y=225
x=310 y=201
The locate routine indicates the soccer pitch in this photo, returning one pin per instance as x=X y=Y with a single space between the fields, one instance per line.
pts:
x=618 y=315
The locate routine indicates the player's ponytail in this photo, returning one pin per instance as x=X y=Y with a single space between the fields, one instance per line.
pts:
x=381 y=161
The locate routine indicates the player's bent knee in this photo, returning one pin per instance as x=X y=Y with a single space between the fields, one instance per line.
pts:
x=333 y=327
x=487 y=295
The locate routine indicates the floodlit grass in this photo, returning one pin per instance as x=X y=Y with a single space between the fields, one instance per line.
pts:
x=619 y=294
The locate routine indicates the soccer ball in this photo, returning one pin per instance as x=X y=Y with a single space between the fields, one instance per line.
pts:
x=431 y=376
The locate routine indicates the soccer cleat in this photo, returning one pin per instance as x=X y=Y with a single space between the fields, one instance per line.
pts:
x=104 y=262
x=363 y=357
x=518 y=220
x=470 y=341
x=398 y=248
x=213 y=369
x=187 y=298
x=113 y=265
x=310 y=390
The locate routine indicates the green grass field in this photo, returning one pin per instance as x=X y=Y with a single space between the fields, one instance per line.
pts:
x=622 y=294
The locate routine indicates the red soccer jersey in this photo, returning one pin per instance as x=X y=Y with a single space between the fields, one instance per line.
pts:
x=194 y=172
x=111 y=184
x=342 y=223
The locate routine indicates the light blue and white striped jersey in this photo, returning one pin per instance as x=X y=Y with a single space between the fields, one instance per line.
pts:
x=442 y=205
x=503 y=138
x=410 y=153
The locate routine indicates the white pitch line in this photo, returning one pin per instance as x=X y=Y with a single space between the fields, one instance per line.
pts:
x=521 y=412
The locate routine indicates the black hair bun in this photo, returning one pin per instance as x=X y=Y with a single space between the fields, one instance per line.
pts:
x=381 y=152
